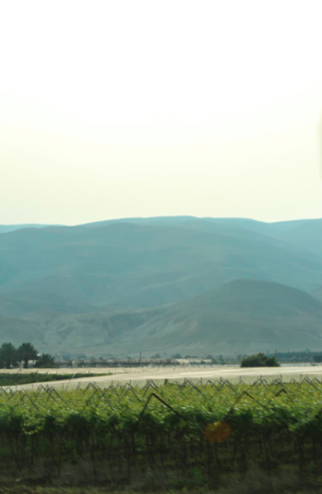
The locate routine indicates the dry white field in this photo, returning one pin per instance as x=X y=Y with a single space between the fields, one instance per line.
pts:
x=139 y=376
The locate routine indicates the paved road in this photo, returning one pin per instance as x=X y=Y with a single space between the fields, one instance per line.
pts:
x=139 y=376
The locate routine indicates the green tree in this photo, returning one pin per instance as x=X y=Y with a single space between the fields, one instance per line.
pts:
x=8 y=356
x=45 y=361
x=259 y=360
x=27 y=352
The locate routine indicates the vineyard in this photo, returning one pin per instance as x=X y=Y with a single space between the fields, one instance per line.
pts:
x=202 y=432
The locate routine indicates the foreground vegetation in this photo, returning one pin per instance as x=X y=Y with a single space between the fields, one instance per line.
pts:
x=241 y=488
x=171 y=436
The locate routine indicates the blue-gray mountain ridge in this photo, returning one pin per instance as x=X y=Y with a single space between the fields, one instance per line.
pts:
x=163 y=285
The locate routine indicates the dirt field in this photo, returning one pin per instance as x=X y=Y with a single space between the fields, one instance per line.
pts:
x=139 y=376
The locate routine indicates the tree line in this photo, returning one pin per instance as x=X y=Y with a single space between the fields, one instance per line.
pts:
x=10 y=356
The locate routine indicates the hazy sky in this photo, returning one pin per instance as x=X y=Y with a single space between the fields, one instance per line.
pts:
x=118 y=108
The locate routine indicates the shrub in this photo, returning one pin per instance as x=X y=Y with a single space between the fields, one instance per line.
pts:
x=259 y=360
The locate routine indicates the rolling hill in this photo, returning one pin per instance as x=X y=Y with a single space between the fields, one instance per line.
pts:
x=126 y=265
x=242 y=316
x=11 y=228
x=162 y=283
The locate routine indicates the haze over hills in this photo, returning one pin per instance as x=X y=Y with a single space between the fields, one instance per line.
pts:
x=11 y=228
x=120 y=286
x=131 y=265
x=242 y=316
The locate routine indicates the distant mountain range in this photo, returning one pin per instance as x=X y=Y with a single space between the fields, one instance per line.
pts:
x=11 y=228
x=163 y=285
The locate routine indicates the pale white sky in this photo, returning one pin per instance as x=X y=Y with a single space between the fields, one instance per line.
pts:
x=114 y=109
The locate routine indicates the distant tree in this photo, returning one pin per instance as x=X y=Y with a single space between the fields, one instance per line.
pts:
x=27 y=352
x=259 y=360
x=45 y=361
x=8 y=356
x=176 y=355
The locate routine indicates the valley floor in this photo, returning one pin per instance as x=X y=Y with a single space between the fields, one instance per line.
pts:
x=139 y=376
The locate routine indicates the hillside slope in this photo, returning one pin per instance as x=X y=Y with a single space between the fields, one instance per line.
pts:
x=17 y=304
x=163 y=284
x=127 y=265
x=317 y=293
x=242 y=316
x=90 y=333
